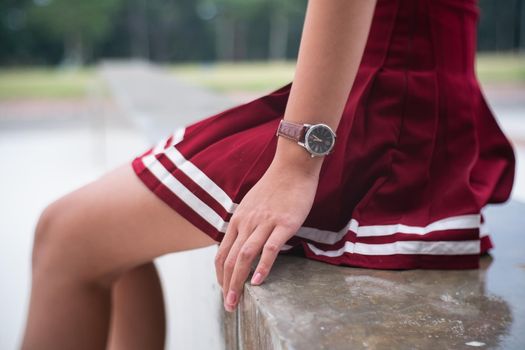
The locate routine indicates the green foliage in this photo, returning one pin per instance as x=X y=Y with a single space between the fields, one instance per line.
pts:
x=239 y=8
x=247 y=9
x=79 y=23
x=83 y=31
x=89 y=18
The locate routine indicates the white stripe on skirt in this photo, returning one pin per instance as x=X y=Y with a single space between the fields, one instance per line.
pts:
x=469 y=221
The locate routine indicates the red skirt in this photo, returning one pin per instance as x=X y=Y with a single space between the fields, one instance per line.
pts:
x=418 y=152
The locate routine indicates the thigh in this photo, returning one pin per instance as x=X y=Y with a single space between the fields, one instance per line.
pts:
x=116 y=223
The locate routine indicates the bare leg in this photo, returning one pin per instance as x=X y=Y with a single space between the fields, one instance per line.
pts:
x=83 y=242
x=137 y=316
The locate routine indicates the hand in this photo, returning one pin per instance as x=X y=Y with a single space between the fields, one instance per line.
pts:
x=268 y=215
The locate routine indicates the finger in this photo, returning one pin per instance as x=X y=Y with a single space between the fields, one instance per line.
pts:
x=244 y=230
x=224 y=249
x=270 y=250
x=231 y=259
x=247 y=254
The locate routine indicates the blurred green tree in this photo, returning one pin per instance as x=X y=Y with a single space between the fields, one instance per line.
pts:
x=80 y=24
x=280 y=13
x=236 y=17
x=80 y=31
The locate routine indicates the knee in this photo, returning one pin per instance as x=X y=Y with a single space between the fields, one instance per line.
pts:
x=48 y=239
x=58 y=251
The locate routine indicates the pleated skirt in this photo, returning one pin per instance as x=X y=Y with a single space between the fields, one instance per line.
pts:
x=418 y=155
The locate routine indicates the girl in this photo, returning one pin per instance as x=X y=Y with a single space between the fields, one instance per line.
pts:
x=381 y=154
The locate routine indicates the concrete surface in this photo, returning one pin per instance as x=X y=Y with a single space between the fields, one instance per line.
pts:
x=311 y=305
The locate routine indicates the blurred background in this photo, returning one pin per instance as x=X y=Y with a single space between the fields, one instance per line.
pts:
x=87 y=85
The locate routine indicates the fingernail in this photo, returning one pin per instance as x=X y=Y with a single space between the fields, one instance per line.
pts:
x=256 y=279
x=230 y=298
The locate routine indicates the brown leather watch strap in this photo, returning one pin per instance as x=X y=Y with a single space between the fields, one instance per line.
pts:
x=291 y=130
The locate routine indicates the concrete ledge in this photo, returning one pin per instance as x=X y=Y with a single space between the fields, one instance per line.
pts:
x=306 y=304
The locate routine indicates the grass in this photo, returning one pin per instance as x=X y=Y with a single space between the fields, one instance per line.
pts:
x=264 y=76
x=241 y=76
x=254 y=76
x=37 y=82
x=494 y=68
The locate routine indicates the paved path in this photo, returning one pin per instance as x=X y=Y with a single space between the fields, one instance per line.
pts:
x=507 y=102
x=157 y=102
x=48 y=149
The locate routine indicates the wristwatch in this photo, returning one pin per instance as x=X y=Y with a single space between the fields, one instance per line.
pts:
x=317 y=139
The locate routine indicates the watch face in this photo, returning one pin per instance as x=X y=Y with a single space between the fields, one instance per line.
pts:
x=319 y=139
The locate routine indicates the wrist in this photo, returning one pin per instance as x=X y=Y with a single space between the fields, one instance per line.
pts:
x=289 y=155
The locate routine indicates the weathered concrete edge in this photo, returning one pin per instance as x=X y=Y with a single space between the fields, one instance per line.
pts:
x=230 y=326
x=256 y=327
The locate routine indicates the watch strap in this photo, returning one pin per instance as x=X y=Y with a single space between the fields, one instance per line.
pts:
x=291 y=130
